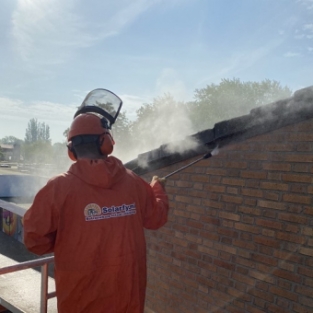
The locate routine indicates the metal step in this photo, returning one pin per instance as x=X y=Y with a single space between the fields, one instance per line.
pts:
x=20 y=291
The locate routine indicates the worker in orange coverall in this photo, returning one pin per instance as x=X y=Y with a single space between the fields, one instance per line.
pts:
x=92 y=218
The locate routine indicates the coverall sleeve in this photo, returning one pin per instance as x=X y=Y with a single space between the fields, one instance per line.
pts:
x=157 y=208
x=40 y=222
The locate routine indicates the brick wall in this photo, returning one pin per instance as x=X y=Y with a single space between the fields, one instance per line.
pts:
x=240 y=231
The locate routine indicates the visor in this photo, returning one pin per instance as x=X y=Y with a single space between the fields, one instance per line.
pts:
x=101 y=102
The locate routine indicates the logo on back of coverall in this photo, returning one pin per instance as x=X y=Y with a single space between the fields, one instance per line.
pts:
x=93 y=211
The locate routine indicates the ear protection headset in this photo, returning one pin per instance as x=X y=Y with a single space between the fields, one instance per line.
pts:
x=88 y=128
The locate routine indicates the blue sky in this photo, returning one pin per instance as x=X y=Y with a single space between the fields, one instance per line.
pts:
x=53 y=52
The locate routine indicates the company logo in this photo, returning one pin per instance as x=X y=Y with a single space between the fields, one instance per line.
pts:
x=93 y=211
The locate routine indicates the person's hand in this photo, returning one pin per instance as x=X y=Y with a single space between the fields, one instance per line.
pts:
x=162 y=181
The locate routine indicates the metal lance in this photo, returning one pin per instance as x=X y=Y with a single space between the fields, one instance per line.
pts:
x=206 y=156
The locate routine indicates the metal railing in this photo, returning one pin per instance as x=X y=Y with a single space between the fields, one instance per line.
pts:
x=43 y=262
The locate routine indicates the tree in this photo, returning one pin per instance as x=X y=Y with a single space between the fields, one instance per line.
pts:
x=11 y=140
x=37 y=131
x=232 y=98
x=121 y=132
x=65 y=133
x=165 y=120
x=37 y=147
x=38 y=152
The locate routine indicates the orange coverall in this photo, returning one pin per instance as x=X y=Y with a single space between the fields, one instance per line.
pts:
x=93 y=218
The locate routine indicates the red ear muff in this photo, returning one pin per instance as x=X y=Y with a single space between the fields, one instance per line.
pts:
x=71 y=152
x=106 y=143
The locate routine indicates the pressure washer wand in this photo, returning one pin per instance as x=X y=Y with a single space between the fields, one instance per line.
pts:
x=206 y=156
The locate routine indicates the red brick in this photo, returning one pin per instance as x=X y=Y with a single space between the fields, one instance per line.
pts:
x=261 y=294
x=299 y=158
x=232 y=199
x=272 y=205
x=287 y=275
x=307 y=231
x=244 y=244
x=207 y=250
x=233 y=181
x=249 y=210
x=229 y=216
x=274 y=176
x=235 y=164
x=305 y=271
x=184 y=199
x=247 y=228
x=243 y=278
x=308 y=210
x=297 y=198
x=306 y=251
x=197 y=193
x=269 y=223
x=213 y=204
x=183 y=184
x=282 y=167
x=304 y=147
x=216 y=172
x=290 y=237
x=267 y=242
x=255 y=175
x=214 y=188
x=296 y=178
x=264 y=259
x=256 y=193
x=223 y=264
x=293 y=218
x=279 y=147
x=209 y=235
x=274 y=186
x=299 y=308
x=256 y=156
x=200 y=178
x=284 y=293
x=300 y=136
x=225 y=247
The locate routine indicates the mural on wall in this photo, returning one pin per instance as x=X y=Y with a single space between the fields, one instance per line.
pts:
x=11 y=224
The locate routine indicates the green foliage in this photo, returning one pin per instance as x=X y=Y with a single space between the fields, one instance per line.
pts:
x=38 y=152
x=232 y=98
x=65 y=133
x=37 y=146
x=37 y=131
x=121 y=132
x=11 y=140
x=165 y=120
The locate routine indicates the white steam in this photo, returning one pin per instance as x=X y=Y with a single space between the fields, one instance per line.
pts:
x=168 y=124
x=215 y=151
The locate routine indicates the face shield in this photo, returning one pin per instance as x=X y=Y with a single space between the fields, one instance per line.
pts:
x=103 y=103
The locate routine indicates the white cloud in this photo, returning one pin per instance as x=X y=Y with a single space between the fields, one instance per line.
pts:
x=16 y=114
x=132 y=103
x=50 y=31
x=308 y=27
x=307 y=3
x=291 y=54
x=170 y=82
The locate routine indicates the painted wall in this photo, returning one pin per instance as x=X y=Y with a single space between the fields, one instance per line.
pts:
x=16 y=195
x=240 y=231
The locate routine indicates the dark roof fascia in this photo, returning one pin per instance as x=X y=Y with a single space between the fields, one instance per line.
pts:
x=261 y=120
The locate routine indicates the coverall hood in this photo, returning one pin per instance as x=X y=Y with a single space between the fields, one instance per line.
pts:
x=103 y=173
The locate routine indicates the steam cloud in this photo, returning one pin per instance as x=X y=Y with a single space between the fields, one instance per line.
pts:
x=169 y=124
